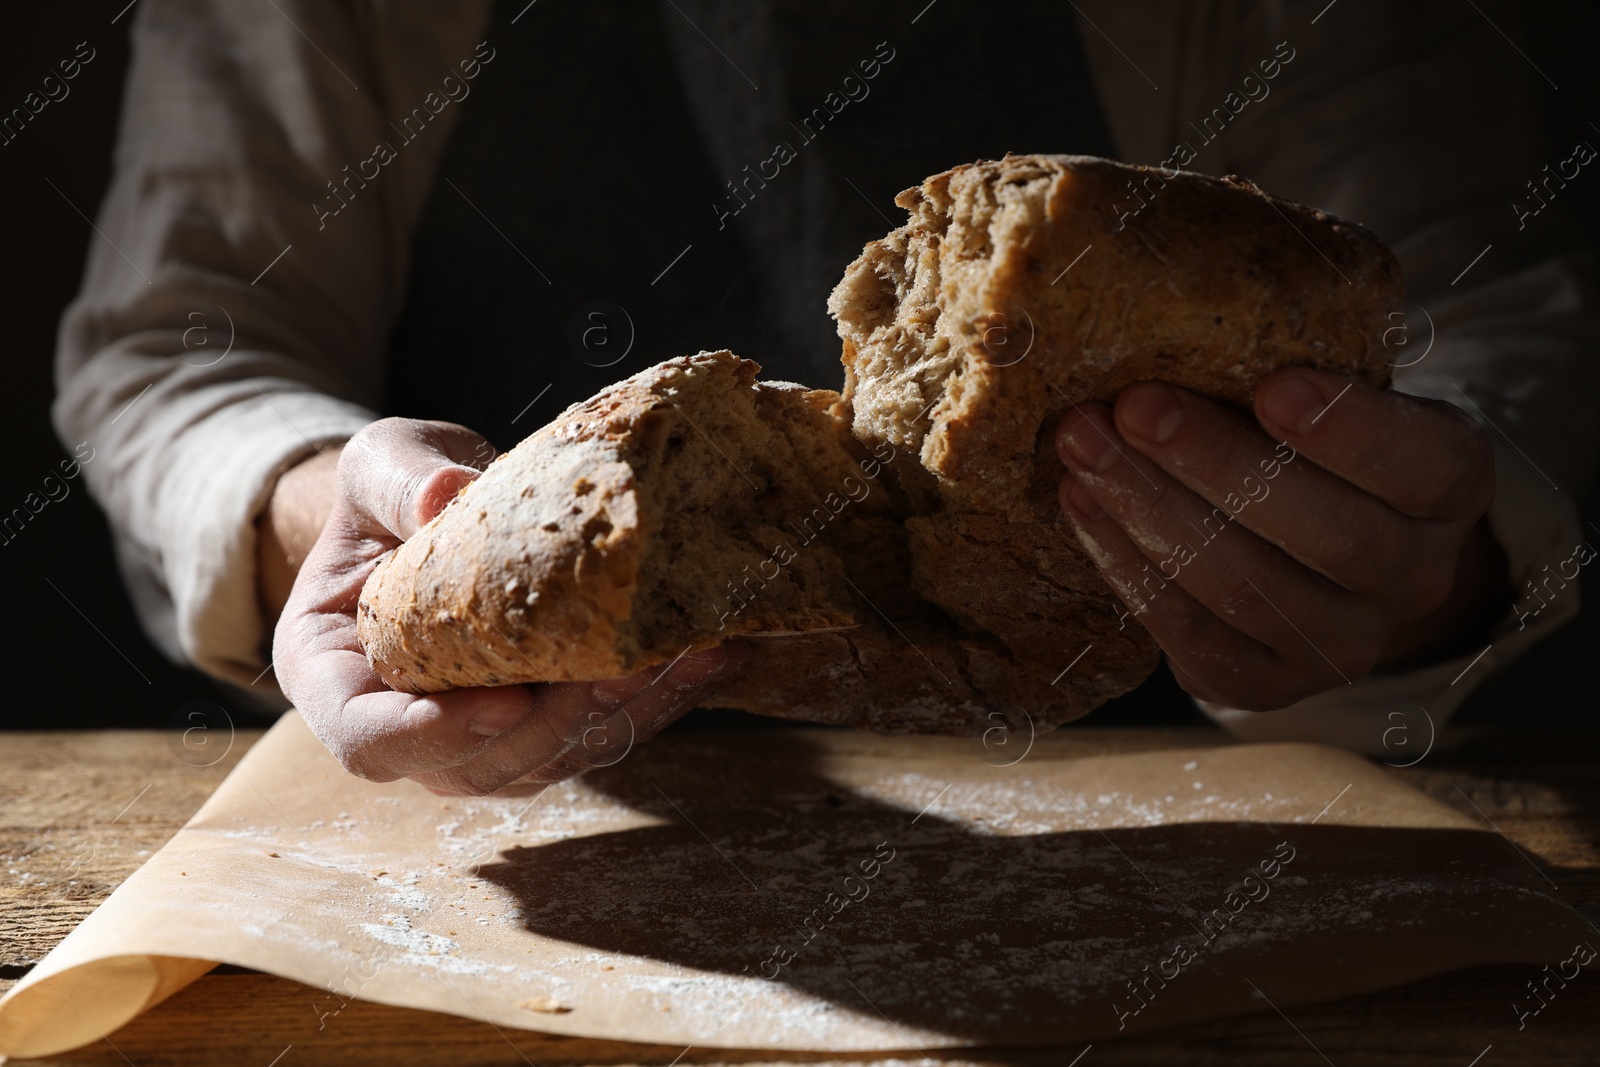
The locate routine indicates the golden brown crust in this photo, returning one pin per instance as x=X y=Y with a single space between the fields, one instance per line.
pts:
x=545 y=567
x=521 y=551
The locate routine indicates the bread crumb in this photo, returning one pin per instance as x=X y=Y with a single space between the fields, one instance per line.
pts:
x=548 y=1005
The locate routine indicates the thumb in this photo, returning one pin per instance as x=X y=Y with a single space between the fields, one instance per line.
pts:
x=397 y=474
x=438 y=488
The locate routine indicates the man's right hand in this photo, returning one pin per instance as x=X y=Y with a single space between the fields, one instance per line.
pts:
x=392 y=478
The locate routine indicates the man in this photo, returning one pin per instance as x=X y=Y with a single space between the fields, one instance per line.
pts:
x=421 y=211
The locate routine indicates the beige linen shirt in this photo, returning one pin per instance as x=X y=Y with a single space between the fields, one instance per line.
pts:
x=1413 y=118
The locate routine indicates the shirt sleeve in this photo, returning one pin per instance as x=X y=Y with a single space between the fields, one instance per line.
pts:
x=243 y=274
x=1339 y=106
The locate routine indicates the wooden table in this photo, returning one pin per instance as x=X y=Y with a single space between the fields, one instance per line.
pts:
x=79 y=812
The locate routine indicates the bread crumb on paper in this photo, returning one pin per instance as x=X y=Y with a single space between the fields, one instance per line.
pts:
x=546 y=1005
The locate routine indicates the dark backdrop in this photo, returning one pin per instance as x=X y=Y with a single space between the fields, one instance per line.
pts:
x=74 y=654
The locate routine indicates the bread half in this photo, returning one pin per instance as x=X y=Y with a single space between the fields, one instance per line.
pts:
x=687 y=505
x=1021 y=288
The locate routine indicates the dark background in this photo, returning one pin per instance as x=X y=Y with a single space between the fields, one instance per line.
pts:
x=60 y=659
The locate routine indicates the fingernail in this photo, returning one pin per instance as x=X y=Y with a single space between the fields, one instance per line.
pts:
x=1083 y=439
x=1079 y=500
x=1150 y=411
x=1293 y=403
x=496 y=719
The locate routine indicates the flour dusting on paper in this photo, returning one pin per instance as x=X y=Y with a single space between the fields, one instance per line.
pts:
x=796 y=890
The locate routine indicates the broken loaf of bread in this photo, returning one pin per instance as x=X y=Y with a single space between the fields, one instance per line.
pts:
x=898 y=550
x=686 y=505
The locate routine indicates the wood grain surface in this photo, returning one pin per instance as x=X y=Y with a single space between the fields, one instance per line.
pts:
x=79 y=812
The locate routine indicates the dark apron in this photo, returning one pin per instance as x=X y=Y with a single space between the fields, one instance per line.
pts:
x=657 y=178
x=601 y=142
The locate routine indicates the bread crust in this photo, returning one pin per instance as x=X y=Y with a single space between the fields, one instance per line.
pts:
x=534 y=572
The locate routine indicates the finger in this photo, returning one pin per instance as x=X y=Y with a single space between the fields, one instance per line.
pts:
x=1192 y=685
x=657 y=696
x=1195 y=640
x=398 y=474
x=561 y=714
x=592 y=724
x=1246 y=582
x=604 y=743
x=1327 y=523
x=653 y=700
x=1423 y=457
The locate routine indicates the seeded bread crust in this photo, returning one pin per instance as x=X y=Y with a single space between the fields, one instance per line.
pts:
x=949 y=594
x=590 y=548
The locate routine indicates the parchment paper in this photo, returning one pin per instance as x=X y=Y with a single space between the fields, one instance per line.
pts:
x=812 y=890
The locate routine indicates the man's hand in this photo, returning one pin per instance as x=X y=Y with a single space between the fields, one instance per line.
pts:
x=393 y=477
x=1277 y=560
